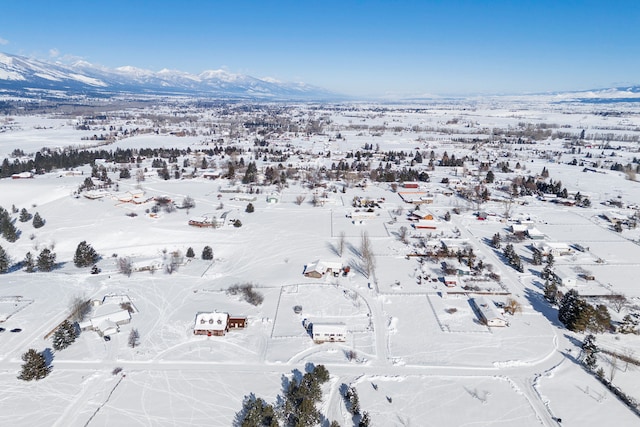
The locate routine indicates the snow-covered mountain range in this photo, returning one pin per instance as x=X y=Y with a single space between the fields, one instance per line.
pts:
x=20 y=75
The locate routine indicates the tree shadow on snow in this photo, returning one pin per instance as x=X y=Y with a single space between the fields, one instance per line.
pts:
x=48 y=356
x=357 y=266
x=354 y=250
x=541 y=305
x=333 y=249
x=536 y=273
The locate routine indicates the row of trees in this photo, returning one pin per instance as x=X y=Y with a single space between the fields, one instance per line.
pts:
x=579 y=316
x=45 y=261
x=36 y=365
x=9 y=231
x=513 y=258
x=46 y=160
x=352 y=402
x=85 y=256
x=297 y=407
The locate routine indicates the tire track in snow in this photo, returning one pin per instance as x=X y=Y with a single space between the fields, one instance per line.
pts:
x=105 y=402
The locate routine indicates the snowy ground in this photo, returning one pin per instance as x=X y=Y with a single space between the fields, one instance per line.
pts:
x=433 y=363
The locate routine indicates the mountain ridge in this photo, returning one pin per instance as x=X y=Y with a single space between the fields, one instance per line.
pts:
x=19 y=74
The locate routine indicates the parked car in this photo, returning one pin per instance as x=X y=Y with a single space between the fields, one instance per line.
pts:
x=16 y=330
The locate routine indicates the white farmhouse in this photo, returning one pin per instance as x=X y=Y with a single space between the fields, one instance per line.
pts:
x=554 y=248
x=488 y=312
x=318 y=268
x=328 y=332
x=106 y=320
x=211 y=323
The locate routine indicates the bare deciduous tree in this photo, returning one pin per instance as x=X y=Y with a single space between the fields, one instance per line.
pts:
x=618 y=302
x=300 y=199
x=403 y=234
x=366 y=253
x=188 y=203
x=175 y=261
x=630 y=174
x=80 y=308
x=508 y=207
x=134 y=338
x=512 y=306
x=125 y=266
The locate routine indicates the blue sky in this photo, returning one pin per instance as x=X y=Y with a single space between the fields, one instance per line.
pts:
x=353 y=47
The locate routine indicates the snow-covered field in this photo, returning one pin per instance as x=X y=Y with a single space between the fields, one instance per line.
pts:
x=419 y=342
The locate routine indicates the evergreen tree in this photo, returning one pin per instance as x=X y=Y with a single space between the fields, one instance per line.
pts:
x=85 y=255
x=365 y=421
x=509 y=252
x=46 y=260
x=628 y=325
x=24 y=215
x=250 y=174
x=550 y=292
x=64 y=336
x=589 y=348
x=550 y=260
x=249 y=208
x=34 y=367
x=495 y=241
x=125 y=173
x=301 y=397
x=256 y=413
x=9 y=231
x=190 y=253
x=207 y=253
x=490 y=177
x=29 y=263
x=37 y=221
x=353 y=400
x=574 y=312
x=600 y=319
x=536 y=259
x=4 y=261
